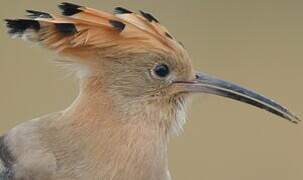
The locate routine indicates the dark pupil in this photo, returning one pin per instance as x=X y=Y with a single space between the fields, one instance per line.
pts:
x=161 y=70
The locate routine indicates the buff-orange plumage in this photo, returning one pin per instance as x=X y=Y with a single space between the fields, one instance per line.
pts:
x=135 y=83
x=85 y=29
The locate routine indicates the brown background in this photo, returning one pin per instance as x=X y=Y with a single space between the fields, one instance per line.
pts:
x=255 y=43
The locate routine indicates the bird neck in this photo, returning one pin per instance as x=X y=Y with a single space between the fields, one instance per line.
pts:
x=132 y=144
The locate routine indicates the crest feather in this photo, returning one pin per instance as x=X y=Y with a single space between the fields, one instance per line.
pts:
x=80 y=30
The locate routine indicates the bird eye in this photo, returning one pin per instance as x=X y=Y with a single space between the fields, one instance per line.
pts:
x=161 y=70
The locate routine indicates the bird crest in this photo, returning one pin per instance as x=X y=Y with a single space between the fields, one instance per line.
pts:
x=85 y=33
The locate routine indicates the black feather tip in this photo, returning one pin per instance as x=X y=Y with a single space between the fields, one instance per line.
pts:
x=121 y=10
x=168 y=35
x=149 y=17
x=38 y=14
x=117 y=25
x=66 y=29
x=181 y=44
x=17 y=26
x=69 y=9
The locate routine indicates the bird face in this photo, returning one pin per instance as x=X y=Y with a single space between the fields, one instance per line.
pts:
x=147 y=76
x=146 y=83
x=167 y=82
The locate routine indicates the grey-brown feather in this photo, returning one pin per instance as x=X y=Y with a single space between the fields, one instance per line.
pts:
x=23 y=155
x=6 y=161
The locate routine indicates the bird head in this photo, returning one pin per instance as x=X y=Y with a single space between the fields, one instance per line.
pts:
x=135 y=60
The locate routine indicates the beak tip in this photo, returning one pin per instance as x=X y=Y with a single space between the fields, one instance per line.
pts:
x=294 y=119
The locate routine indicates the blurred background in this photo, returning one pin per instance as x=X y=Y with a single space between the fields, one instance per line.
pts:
x=257 y=44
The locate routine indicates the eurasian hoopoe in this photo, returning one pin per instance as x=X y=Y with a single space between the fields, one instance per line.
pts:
x=135 y=82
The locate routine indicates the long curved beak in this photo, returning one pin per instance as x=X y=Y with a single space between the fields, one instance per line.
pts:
x=211 y=85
